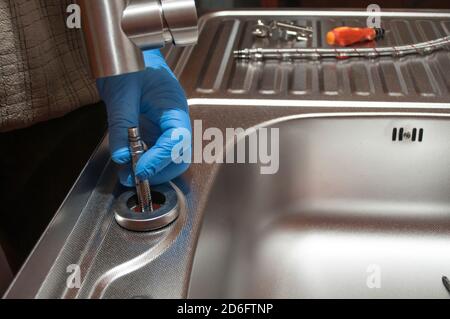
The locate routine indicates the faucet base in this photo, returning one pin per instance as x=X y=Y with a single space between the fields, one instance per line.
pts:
x=165 y=213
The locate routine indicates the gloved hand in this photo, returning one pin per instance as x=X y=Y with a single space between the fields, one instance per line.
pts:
x=154 y=101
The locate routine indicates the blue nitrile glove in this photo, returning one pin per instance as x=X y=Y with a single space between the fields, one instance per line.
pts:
x=154 y=101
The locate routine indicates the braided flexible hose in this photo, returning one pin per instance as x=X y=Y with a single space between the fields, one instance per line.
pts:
x=423 y=48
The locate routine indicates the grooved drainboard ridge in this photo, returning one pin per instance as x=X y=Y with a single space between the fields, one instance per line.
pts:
x=212 y=72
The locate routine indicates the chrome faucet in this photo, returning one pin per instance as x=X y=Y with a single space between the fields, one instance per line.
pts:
x=116 y=31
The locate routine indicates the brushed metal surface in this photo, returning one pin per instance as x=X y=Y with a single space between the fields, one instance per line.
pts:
x=348 y=203
x=132 y=26
x=108 y=255
x=114 y=54
x=28 y=281
x=115 y=263
x=212 y=73
x=119 y=264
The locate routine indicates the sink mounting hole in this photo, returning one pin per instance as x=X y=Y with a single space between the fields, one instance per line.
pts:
x=158 y=200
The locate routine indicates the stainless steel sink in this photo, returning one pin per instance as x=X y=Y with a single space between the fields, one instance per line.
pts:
x=360 y=208
x=349 y=206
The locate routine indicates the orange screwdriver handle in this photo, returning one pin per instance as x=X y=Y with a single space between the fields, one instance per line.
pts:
x=345 y=36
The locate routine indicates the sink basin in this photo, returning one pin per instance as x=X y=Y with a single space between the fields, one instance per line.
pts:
x=360 y=208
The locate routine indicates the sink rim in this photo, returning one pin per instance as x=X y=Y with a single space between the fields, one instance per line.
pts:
x=331 y=115
x=351 y=115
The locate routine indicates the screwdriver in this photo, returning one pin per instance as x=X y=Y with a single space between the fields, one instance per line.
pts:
x=345 y=36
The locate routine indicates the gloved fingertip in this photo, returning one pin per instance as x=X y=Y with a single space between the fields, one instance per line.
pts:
x=146 y=168
x=121 y=156
x=144 y=175
x=126 y=179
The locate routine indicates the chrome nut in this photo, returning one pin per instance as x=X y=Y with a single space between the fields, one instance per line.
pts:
x=161 y=217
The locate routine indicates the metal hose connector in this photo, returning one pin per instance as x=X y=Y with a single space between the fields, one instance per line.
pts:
x=260 y=54
x=143 y=192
